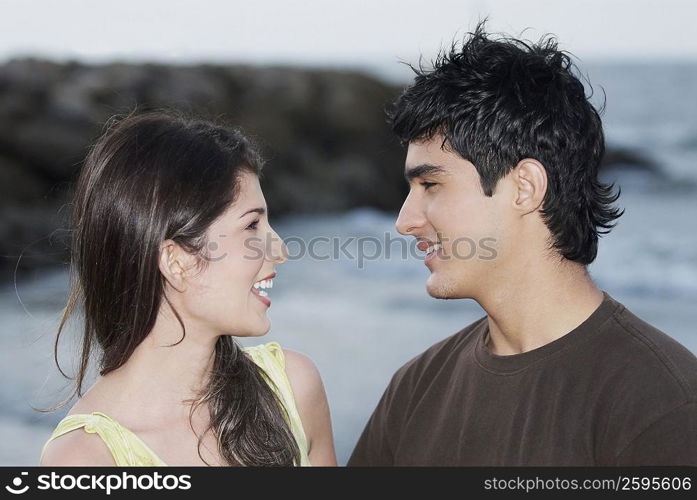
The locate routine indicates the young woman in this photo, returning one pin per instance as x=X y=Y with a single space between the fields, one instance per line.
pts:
x=173 y=256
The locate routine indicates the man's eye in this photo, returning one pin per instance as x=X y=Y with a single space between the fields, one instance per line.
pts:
x=428 y=185
x=253 y=225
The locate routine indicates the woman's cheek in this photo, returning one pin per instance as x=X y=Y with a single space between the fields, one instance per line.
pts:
x=253 y=249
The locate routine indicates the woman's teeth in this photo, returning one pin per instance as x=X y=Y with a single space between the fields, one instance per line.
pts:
x=262 y=285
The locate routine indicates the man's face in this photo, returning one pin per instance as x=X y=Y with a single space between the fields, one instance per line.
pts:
x=457 y=225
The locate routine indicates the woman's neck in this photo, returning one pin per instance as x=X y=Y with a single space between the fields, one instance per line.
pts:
x=163 y=375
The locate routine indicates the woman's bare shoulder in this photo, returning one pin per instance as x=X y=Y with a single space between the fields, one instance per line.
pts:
x=311 y=401
x=303 y=375
x=77 y=448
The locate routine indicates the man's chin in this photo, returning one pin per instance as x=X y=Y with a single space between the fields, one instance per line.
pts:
x=439 y=290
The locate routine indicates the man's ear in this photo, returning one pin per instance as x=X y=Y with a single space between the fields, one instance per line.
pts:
x=530 y=178
x=172 y=264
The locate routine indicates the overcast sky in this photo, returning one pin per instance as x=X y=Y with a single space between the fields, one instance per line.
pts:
x=334 y=31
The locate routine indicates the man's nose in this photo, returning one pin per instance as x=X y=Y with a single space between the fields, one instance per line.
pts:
x=411 y=217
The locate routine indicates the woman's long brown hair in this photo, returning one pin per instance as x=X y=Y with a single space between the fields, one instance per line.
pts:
x=150 y=177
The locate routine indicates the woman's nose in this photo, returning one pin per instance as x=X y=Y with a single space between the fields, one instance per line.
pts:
x=278 y=252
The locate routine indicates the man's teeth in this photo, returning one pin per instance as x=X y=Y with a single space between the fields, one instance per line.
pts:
x=434 y=248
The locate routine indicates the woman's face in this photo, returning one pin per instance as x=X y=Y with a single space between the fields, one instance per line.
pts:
x=231 y=295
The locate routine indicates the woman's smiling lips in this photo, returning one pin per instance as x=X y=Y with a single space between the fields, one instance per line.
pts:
x=259 y=287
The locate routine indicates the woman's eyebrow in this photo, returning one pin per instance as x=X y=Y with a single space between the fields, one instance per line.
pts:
x=259 y=210
x=421 y=170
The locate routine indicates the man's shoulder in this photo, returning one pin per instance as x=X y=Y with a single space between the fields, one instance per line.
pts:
x=647 y=383
x=653 y=356
x=439 y=353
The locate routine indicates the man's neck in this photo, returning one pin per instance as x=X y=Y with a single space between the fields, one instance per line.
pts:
x=539 y=306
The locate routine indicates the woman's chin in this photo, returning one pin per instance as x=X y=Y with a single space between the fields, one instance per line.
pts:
x=263 y=328
x=258 y=328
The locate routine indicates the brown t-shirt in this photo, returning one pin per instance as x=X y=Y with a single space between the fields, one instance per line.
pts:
x=613 y=391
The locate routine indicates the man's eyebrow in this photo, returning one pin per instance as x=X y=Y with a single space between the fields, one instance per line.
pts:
x=421 y=170
x=259 y=210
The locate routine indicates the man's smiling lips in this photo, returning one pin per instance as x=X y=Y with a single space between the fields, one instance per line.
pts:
x=259 y=287
x=430 y=248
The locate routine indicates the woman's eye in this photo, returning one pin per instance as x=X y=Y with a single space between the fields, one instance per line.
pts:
x=427 y=185
x=253 y=225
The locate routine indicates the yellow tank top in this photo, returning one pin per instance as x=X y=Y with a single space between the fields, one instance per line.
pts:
x=128 y=449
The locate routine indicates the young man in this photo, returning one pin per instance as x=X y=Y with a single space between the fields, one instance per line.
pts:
x=503 y=155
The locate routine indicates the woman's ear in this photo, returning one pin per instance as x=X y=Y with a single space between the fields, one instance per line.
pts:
x=172 y=265
x=530 y=179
